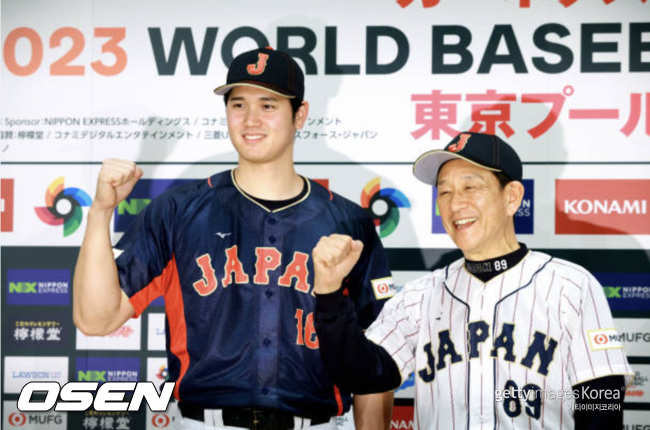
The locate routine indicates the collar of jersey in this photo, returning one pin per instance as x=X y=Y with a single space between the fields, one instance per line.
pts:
x=243 y=193
x=497 y=276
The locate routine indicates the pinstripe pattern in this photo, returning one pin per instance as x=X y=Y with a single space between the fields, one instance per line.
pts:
x=551 y=297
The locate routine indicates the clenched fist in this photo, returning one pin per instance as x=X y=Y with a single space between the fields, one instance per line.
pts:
x=334 y=257
x=116 y=180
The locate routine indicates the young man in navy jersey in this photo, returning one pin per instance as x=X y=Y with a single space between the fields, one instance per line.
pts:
x=231 y=256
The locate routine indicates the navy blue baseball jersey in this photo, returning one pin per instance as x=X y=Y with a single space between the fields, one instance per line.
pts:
x=237 y=281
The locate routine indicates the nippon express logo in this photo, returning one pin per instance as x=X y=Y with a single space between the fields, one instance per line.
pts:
x=108 y=369
x=524 y=218
x=63 y=206
x=38 y=287
x=144 y=191
x=384 y=205
x=626 y=291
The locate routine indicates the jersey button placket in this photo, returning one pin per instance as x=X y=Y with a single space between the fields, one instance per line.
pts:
x=270 y=313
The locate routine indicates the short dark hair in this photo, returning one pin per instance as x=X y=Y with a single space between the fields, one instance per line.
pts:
x=502 y=178
x=295 y=103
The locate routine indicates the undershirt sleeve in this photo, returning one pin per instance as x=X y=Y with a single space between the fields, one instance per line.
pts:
x=354 y=362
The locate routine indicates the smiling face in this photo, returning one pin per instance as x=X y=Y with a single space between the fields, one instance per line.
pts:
x=476 y=212
x=262 y=126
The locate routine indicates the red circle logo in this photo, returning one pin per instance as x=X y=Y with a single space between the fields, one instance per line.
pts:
x=383 y=288
x=600 y=339
x=17 y=419
x=160 y=421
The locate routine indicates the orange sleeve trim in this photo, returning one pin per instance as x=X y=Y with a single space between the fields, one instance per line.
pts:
x=339 y=401
x=175 y=310
x=151 y=292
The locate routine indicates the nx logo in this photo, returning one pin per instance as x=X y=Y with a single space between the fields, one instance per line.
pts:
x=92 y=375
x=612 y=292
x=22 y=287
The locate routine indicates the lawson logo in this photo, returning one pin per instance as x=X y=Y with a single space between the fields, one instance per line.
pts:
x=18 y=371
x=594 y=206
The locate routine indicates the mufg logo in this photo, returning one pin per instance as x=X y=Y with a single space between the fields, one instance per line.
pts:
x=144 y=191
x=523 y=218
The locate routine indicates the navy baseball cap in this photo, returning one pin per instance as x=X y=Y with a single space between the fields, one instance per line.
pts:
x=484 y=150
x=266 y=68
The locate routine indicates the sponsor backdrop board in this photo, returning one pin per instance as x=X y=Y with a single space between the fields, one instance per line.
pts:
x=84 y=81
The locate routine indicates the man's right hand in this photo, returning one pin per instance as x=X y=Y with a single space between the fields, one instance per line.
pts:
x=116 y=180
x=334 y=257
x=99 y=305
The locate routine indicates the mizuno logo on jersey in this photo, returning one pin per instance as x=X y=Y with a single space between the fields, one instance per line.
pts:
x=267 y=259
x=540 y=351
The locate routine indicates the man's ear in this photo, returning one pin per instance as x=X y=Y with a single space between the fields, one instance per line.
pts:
x=301 y=115
x=514 y=191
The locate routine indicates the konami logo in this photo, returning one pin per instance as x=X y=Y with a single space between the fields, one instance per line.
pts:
x=402 y=417
x=612 y=206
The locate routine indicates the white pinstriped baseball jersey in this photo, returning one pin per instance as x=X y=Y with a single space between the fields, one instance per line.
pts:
x=546 y=321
